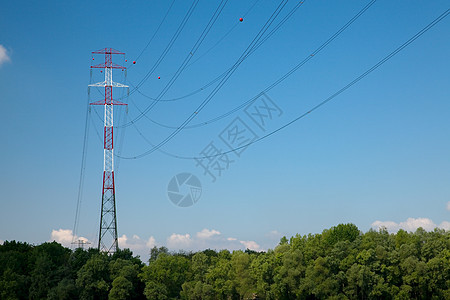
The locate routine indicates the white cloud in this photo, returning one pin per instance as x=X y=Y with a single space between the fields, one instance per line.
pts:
x=1 y=242
x=206 y=234
x=62 y=236
x=179 y=241
x=411 y=224
x=136 y=244
x=252 y=245
x=65 y=237
x=208 y=239
x=4 y=57
x=389 y=225
x=274 y=234
x=448 y=205
x=151 y=242
x=445 y=225
x=139 y=246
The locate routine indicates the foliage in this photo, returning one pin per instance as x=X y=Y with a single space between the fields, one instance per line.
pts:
x=339 y=263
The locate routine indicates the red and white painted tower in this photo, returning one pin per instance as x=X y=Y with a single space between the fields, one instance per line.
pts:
x=107 y=241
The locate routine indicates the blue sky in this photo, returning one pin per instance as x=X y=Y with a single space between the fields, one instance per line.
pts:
x=375 y=155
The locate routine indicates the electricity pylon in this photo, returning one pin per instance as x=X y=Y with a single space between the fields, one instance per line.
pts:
x=107 y=241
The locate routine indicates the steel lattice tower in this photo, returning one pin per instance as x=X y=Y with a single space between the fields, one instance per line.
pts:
x=107 y=241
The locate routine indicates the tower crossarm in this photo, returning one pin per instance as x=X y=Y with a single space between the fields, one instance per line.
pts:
x=108 y=65
x=102 y=102
x=104 y=83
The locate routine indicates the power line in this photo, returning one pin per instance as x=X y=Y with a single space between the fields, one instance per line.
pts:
x=281 y=79
x=225 y=35
x=197 y=59
x=191 y=53
x=224 y=80
x=156 y=31
x=149 y=142
x=83 y=166
x=202 y=88
x=334 y=95
x=189 y=56
x=254 y=42
x=100 y=140
x=169 y=45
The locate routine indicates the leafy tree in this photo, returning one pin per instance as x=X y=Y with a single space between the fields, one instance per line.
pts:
x=319 y=280
x=288 y=271
x=155 y=252
x=122 y=289
x=94 y=278
x=165 y=276
x=339 y=263
x=65 y=290
x=155 y=290
x=13 y=285
x=15 y=269
x=342 y=232
x=199 y=266
x=219 y=276
x=125 y=280
x=50 y=267
x=240 y=270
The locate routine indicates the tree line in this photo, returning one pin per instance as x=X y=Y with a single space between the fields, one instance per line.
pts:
x=339 y=263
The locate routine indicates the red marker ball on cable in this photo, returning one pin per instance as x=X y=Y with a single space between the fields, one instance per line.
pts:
x=159 y=77
x=134 y=62
x=126 y=60
x=241 y=19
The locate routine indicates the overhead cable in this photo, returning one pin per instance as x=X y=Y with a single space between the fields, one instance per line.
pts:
x=331 y=97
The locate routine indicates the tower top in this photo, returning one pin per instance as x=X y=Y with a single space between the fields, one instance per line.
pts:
x=108 y=59
x=107 y=51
